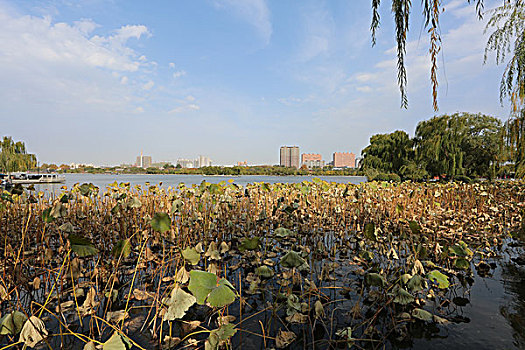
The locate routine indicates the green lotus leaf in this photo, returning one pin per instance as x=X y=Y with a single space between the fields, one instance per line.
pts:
x=461 y=263
x=375 y=280
x=405 y=278
x=438 y=278
x=264 y=271
x=82 y=246
x=249 y=244
x=282 y=232
x=206 y=286
x=422 y=315
x=370 y=231
x=123 y=247
x=403 y=297
x=222 y=295
x=219 y=336
x=161 y=222
x=414 y=227
x=416 y=283
x=46 y=216
x=460 y=250
x=191 y=255
x=86 y=189
x=292 y=259
x=117 y=342
x=12 y=323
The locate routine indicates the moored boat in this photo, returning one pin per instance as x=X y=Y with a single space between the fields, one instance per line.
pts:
x=25 y=178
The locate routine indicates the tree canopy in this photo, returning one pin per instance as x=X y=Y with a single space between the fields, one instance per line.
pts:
x=388 y=152
x=14 y=157
x=459 y=144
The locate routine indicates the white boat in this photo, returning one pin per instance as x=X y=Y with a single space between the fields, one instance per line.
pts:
x=23 y=178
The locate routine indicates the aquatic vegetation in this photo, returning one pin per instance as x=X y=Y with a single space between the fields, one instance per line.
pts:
x=305 y=265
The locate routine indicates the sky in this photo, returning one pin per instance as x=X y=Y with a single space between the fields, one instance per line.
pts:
x=97 y=81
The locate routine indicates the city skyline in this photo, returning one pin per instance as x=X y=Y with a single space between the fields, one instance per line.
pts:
x=231 y=79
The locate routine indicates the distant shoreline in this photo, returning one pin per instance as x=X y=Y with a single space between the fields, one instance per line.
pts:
x=212 y=175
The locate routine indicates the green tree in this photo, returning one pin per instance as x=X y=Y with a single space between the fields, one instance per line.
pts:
x=14 y=157
x=388 y=152
x=515 y=142
x=483 y=145
x=460 y=144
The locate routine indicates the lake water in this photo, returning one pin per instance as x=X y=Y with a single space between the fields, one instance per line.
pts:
x=103 y=180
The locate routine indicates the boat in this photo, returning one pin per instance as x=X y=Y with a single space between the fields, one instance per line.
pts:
x=25 y=178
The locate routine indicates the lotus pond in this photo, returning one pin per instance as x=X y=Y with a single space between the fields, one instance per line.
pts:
x=311 y=265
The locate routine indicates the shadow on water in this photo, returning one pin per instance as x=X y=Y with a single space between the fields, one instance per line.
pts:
x=513 y=275
x=494 y=315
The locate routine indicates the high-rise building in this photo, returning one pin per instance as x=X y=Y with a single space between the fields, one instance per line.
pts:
x=312 y=160
x=289 y=156
x=143 y=161
x=186 y=163
x=202 y=161
x=344 y=160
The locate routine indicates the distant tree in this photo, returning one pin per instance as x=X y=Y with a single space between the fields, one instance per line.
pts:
x=14 y=157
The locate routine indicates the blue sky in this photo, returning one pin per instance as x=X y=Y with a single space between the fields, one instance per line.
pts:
x=97 y=81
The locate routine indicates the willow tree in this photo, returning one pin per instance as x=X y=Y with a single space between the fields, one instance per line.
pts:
x=515 y=137
x=14 y=157
x=459 y=144
x=401 y=11
x=387 y=153
x=508 y=39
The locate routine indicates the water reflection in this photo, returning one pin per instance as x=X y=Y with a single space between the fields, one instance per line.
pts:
x=513 y=278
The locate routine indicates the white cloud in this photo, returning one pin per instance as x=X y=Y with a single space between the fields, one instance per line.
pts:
x=148 y=85
x=319 y=30
x=172 y=65
x=179 y=74
x=39 y=39
x=291 y=100
x=255 y=12
x=365 y=88
x=67 y=68
x=190 y=98
x=186 y=108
